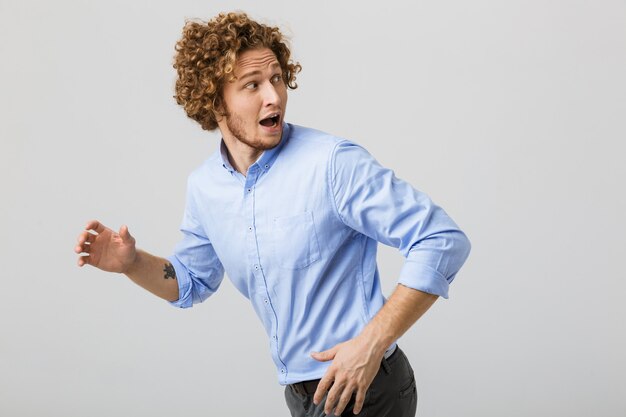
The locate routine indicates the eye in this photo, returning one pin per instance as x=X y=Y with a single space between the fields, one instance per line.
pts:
x=276 y=78
x=251 y=86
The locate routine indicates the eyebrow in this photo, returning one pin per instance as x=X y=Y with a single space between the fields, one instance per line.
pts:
x=257 y=72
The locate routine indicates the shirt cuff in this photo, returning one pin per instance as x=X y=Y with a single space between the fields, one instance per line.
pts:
x=423 y=278
x=184 y=284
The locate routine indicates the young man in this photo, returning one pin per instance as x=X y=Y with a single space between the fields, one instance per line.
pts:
x=293 y=215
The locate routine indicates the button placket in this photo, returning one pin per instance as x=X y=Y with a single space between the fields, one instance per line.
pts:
x=256 y=263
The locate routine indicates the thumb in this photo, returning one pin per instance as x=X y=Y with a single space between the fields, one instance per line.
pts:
x=326 y=355
x=124 y=234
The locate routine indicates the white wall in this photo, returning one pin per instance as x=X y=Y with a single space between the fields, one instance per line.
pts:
x=509 y=114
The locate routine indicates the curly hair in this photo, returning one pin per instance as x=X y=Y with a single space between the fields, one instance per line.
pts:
x=205 y=60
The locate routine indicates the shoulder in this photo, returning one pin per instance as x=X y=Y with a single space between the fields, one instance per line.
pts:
x=301 y=136
x=205 y=170
x=318 y=147
x=316 y=142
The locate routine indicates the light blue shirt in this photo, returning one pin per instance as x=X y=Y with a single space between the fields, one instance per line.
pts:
x=298 y=235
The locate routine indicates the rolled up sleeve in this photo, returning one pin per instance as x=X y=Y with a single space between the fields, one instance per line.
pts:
x=370 y=199
x=199 y=272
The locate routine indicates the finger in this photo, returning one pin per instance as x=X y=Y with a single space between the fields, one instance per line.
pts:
x=82 y=248
x=124 y=234
x=324 y=385
x=326 y=355
x=84 y=239
x=343 y=400
x=333 y=398
x=84 y=236
x=83 y=260
x=96 y=226
x=358 y=401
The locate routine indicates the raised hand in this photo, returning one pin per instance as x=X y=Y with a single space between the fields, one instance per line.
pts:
x=105 y=249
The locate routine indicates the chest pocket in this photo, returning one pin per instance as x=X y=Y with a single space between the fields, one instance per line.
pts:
x=295 y=241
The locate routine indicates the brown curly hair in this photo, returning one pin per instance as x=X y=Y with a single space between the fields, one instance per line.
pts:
x=205 y=59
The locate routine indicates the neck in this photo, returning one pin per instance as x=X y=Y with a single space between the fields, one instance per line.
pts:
x=240 y=155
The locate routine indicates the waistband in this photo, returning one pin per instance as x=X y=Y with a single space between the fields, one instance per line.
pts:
x=309 y=387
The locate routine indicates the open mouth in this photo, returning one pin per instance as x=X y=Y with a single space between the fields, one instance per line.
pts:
x=271 y=121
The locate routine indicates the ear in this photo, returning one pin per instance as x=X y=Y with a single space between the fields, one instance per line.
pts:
x=219 y=108
x=219 y=116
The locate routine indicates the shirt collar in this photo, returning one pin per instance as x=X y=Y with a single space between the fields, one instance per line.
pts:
x=224 y=155
x=267 y=158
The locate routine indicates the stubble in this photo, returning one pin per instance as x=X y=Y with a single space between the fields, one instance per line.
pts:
x=236 y=126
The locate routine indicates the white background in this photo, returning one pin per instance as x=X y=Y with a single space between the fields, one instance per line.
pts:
x=509 y=114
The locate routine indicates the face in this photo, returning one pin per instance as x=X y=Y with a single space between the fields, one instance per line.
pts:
x=255 y=102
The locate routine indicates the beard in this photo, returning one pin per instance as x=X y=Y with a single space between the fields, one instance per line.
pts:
x=236 y=126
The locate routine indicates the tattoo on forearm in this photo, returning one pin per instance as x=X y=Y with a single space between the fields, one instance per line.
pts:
x=169 y=271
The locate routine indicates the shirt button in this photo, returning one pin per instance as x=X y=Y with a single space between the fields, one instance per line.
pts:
x=256 y=267
x=282 y=370
x=274 y=337
x=266 y=301
x=250 y=228
x=249 y=189
x=267 y=166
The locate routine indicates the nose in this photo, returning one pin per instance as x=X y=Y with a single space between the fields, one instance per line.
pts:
x=270 y=96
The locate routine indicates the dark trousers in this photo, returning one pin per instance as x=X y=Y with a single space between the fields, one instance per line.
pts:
x=391 y=394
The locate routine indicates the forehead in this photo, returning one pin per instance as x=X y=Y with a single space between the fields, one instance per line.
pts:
x=255 y=59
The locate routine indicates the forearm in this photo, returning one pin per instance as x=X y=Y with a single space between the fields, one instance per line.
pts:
x=155 y=274
x=400 y=312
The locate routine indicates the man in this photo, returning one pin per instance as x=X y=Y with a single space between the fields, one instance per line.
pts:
x=293 y=215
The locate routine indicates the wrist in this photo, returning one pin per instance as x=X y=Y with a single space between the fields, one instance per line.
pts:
x=133 y=265
x=378 y=337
